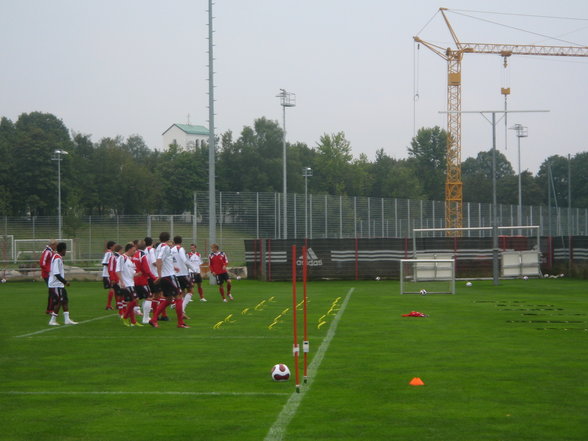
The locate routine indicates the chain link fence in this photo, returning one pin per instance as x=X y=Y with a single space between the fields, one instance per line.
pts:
x=250 y=215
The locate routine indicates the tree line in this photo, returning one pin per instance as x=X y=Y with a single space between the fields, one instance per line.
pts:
x=125 y=176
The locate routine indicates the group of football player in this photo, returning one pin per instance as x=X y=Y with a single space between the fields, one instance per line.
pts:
x=158 y=275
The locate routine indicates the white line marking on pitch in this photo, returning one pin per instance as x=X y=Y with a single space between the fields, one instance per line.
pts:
x=115 y=392
x=55 y=328
x=178 y=336
x=278 y=429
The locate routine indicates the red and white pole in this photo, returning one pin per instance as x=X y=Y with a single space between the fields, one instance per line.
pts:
x=305 y=343
x=295 y=349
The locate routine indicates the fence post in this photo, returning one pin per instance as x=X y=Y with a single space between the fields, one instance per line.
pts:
x=310 y=201
x=382 y=200
x=354 y=216
x=90 y=237
x=395 y=217
x=326 y=218
x=194 y=220
x=257 y=215
x=369 y=216
x=295 y=229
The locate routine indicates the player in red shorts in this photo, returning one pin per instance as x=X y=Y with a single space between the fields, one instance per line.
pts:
x=169 y=284
x=217 y=262
x=57 y=284
x=125 y=271
x=142 y=278
x=45 y=264
x=105 y=275
x=114 y=282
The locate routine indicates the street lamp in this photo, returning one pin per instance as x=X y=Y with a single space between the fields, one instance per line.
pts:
x=306 y=172
x=521 y=132
x=58 y=154
x=287 y=99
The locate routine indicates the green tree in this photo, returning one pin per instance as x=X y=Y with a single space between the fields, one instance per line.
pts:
x=429 y=151
x=181 y=171
x=394 y=178
x=476 y=176
x=333 y=164
x=254 y=161
x=37 y=136
x=559 y=181
x=7 y=136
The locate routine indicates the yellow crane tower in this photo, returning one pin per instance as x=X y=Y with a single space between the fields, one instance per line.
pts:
x=453 y=183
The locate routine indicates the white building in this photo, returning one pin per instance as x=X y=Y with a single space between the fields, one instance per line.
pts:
x=185 y=135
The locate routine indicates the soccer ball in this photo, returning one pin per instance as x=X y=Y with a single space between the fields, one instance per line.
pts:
x=378 y=278
x=3 y=280
x=526 y=278
x=280 y=372
x=469 y=284
x=238 y=277
x=423 y=292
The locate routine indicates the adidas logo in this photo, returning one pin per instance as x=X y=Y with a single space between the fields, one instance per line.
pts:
x=311 y=258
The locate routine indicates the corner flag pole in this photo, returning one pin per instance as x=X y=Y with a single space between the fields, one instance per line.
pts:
x=296 y=349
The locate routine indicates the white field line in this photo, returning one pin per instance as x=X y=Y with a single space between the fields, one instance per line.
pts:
x=55 y=328
x=278 y=429
x=115 y=392
x=151 y=336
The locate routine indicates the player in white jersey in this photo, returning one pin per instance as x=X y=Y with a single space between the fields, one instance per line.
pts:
x=105 y=275
x=169 y=283
x=155 y=287
x=125 y=270
x=196 y=260
x=57 y=284
x=182 y=265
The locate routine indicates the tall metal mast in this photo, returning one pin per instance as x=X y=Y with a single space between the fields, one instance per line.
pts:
x=211 y=137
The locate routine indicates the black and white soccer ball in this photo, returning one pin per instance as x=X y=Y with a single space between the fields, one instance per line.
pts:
x=280 y=372
x=423 y=292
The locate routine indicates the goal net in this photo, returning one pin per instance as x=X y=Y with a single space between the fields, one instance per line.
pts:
x=426 y=275
x=518 y=253
x=31 y=249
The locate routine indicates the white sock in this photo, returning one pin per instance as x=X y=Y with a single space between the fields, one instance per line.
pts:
x=146 y=309
x=137 y=310
x=186 y=300
x=66 y=316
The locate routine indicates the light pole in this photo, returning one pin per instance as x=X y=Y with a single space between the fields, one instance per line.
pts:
x=287 y=99
x=57 y=157
x=521 y=132
x=306 y=172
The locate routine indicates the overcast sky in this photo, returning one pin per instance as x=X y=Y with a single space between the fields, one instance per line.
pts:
x=124 y=67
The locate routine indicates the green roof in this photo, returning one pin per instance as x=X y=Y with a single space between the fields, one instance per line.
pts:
x=192 y=130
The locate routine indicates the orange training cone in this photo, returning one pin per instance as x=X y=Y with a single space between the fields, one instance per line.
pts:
x=416 y=381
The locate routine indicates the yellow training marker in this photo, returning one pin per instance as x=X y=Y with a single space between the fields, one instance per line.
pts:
x=228 y=319
x=320 y=324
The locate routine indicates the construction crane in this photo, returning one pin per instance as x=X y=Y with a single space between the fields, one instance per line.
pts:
x=453 y=183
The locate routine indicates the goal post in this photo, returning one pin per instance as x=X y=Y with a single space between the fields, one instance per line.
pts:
x=426 y=275
x=518 y=253
x=31 y=249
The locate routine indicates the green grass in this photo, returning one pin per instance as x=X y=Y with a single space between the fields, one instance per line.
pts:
x=497 y=365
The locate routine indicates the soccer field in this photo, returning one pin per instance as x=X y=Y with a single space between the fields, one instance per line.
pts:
x=498 y=363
